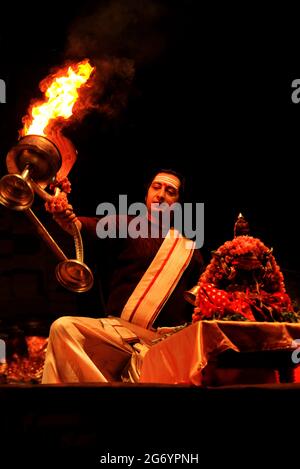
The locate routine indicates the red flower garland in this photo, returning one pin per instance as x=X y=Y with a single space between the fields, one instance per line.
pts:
x=59 y=202
x=244 y=282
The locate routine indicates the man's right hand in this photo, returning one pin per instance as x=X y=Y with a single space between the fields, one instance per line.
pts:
x=62 y=212
x=66 y=219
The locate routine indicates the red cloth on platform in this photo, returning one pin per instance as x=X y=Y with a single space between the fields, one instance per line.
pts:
x=213 y=301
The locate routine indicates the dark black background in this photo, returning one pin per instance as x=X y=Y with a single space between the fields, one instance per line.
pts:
x=211 y=97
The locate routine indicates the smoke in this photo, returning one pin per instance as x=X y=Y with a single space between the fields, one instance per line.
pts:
x=118 y=37
x=131 y=29
x=109 y=87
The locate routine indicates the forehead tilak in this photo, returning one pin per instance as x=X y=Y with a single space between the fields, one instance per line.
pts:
x=167 y=179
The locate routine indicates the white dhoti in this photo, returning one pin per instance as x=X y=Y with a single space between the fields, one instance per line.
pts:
x=91 y=350
x=98 y=350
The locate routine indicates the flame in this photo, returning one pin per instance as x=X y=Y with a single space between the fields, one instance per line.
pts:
x=61 y=92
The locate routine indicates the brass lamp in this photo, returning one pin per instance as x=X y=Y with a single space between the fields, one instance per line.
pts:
x=32 y=164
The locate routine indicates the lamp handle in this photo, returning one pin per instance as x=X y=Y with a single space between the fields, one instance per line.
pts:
x=75 y=229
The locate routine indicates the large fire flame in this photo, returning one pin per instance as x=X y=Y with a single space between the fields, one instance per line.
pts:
x=61 y=91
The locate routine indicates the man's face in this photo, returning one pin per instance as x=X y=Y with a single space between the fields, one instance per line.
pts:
x=163 y=189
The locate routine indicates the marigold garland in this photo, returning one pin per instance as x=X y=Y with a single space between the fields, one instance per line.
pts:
x=59 y=202
x=243 y=282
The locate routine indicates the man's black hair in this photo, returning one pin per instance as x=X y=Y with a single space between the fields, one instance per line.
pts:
x=168 y=171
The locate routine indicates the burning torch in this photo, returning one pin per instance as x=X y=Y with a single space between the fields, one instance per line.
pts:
x=43 y=157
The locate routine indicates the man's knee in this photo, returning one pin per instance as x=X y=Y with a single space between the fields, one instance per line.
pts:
x=60 y=325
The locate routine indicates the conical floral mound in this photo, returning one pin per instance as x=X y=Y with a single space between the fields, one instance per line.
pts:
x=243 y=282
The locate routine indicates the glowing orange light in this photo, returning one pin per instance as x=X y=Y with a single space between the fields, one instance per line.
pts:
x=61 y=91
